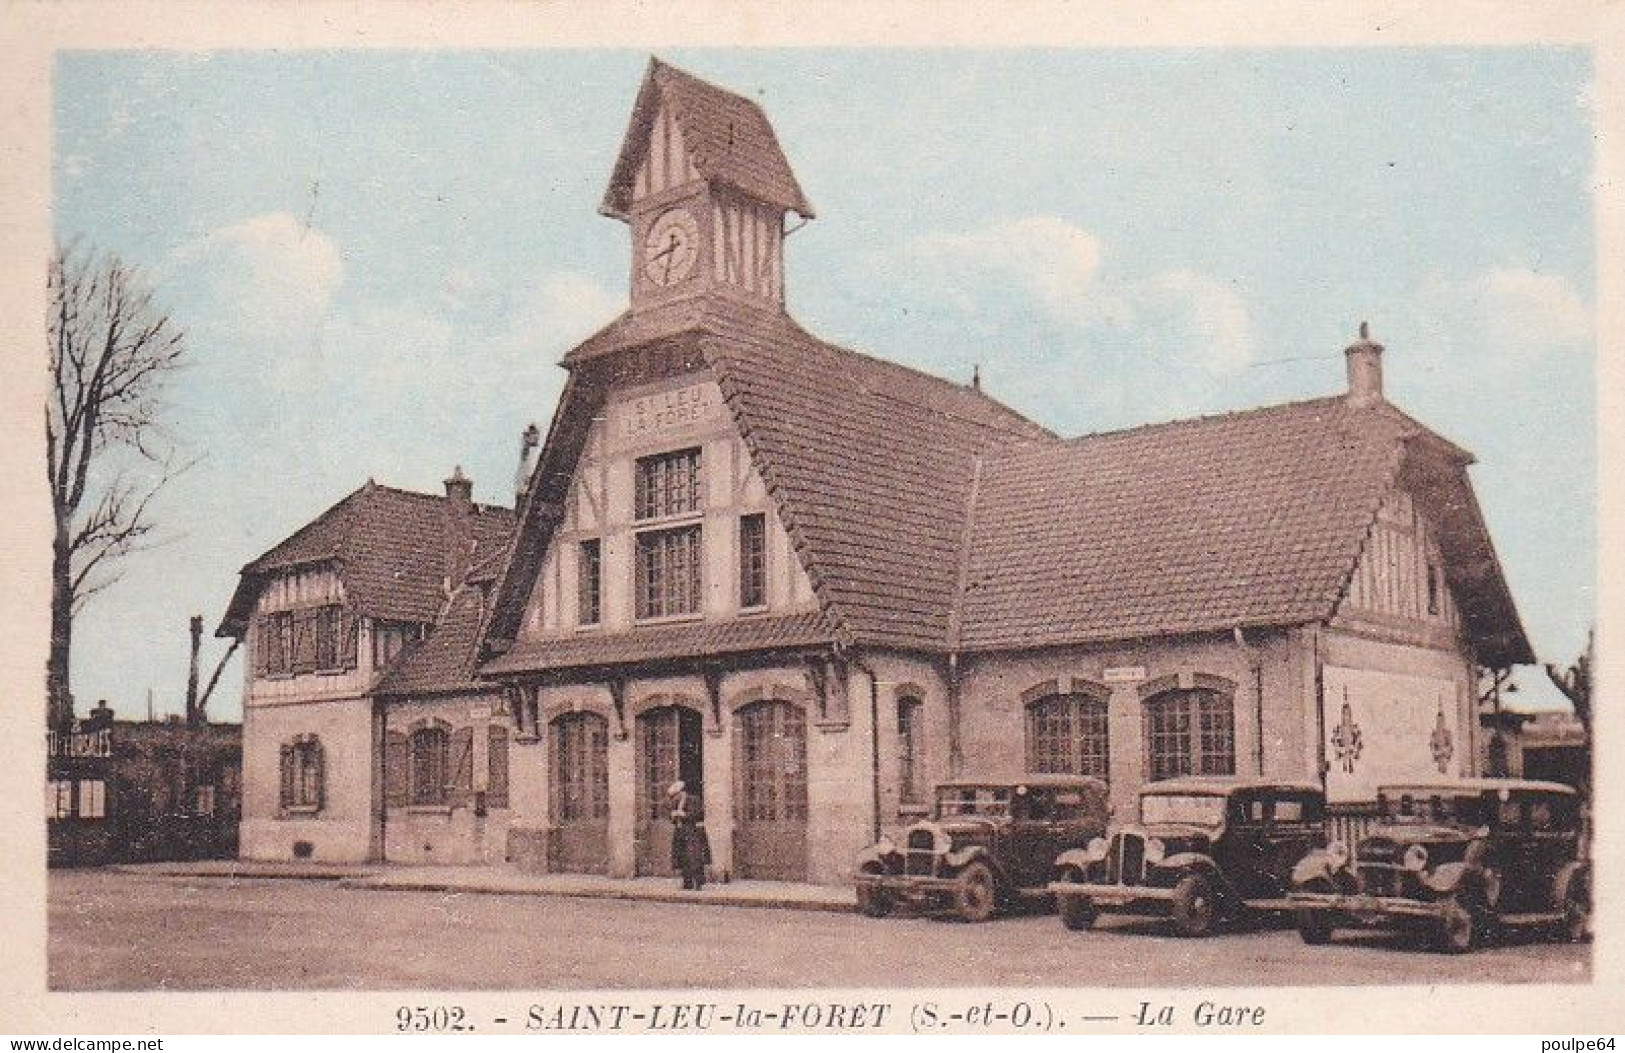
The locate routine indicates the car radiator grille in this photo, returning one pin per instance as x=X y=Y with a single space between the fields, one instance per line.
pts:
x=920 y=859
x=1125 y=865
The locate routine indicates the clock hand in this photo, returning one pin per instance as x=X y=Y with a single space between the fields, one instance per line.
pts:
x=671 y=253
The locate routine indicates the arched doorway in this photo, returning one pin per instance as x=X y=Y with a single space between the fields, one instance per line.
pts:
x=578 y=792
x=770 y=801
x=670 y=747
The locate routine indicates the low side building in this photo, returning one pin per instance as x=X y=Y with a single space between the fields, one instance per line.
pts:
x=325 y=616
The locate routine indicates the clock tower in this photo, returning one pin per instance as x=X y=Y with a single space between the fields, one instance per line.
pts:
x=706 y=189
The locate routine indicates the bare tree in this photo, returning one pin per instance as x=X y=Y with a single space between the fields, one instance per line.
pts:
x=111 y=350
x=1575 y=682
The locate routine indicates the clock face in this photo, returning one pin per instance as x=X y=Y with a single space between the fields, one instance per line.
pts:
x=671 y=247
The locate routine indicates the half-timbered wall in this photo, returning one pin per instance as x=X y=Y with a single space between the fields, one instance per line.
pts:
x=302 y=590
x=1401 y=573
x=680 y=414
x=666 y=164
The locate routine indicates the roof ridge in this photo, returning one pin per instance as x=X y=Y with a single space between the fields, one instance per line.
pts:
x=1016 y=417
x=1209 y=418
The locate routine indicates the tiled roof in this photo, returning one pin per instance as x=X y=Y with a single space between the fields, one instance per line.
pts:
x=727 y=136
x=445 y=659
x=871 y=464
x=1246 y=519
x=388 y=546
x=661 y=642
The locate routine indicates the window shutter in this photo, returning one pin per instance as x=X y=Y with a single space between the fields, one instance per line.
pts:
x=347 y=639
x=396 y=790
x=319 y=759
x=304 y=641
x=496 y=754
x=286 y=798
x=462 y=768
x=258 y=643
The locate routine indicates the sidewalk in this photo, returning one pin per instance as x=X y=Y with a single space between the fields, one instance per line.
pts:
x=502 y=879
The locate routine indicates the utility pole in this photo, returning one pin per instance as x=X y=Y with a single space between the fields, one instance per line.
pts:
x=192 y=714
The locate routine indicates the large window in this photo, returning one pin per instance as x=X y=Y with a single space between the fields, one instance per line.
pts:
x=590 y=583
x=753 y=560
x=1067 y=734
x=302 y=774
x=311 y=640
x=668 y=572
x=1190 y=732
x=430 y=752
x=668 y=484
x=908 y=750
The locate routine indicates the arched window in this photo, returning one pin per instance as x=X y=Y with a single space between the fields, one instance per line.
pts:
x=1067 y=734
x=302 y=774
x=1190 y=732
x=430 y=751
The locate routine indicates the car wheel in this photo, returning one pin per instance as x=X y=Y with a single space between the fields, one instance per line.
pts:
x=1077 y=912
x=1195 y=907
x=1458 y=926
x=976 y=895
x=1577 y=909
x=874 y=902
x=1315 y=926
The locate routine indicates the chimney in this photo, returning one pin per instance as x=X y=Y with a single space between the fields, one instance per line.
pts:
x=528 y=441
x=1365 y=369
x=459 y=526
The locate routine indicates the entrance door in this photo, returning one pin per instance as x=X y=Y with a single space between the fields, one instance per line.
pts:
x=578 y=786
x=669 y=748
x=770 y=803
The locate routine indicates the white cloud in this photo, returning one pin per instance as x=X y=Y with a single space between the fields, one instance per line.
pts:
x=1522 y=302
x=560 y=310
x=1064 y=273
x=1212 y=313
x=267 y=274
x=1504 y=318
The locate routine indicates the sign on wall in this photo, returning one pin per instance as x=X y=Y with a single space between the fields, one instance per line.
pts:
x=1384 y=728
x=663 y=413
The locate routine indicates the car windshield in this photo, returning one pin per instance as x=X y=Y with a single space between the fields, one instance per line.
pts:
x=973 y=800
x=1195 y=809
x=1422 y=804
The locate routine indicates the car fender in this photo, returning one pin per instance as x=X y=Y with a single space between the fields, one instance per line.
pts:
x=963 y=857
x=1565 y=877
x=1196 y=862
x=1313 y=867
x=1073 y=857
x=868 y=856
x=1448 y=877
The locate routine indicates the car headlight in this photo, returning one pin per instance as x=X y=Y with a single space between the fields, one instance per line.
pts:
x=1096 y=850
x=1337 y=853
x=1416 y=858
x=1155 y=851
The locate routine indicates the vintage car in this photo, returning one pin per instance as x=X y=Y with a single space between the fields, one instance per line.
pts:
x=987 y=844
x=1455 y=859
x=1204 y=849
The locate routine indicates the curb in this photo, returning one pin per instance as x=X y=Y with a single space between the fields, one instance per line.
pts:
x=243 y=873
x=363 y=884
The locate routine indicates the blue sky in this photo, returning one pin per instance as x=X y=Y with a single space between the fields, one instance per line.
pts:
x=380 y=256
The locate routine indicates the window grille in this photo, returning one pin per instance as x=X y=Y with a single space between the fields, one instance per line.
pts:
x=1068 y=735
x=1190 y=732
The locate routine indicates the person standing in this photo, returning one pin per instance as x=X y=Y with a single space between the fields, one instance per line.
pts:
x=690 y=848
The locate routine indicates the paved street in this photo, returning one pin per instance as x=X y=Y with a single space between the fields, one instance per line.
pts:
x=113 y=931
